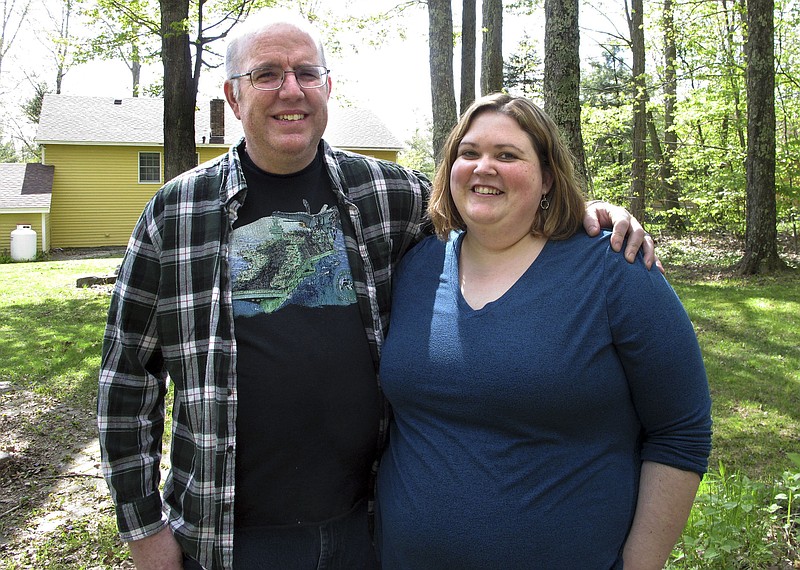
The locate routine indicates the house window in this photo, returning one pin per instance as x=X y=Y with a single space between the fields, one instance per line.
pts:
x=149 y=167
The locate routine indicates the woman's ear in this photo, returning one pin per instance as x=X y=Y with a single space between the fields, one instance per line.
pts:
x=547 y=181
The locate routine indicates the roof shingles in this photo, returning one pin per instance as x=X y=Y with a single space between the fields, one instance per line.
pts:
x=25 y=186
x=138 y=120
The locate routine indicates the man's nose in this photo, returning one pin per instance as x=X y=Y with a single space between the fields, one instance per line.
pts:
x=290 y=85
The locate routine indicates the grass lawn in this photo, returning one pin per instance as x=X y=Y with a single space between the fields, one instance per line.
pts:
x=51 y=331
x=750 y=337
x=749 y=331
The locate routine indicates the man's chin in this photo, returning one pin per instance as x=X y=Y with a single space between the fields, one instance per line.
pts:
x=300 y=143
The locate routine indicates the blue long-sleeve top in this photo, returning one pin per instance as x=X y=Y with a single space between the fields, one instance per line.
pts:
x=519 y=429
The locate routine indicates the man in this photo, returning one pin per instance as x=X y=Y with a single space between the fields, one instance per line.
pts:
x=250 y=283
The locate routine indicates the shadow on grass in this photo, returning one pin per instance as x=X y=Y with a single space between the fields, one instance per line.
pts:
x=750 y=337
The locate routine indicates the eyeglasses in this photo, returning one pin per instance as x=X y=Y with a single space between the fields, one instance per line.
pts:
x=271 y=78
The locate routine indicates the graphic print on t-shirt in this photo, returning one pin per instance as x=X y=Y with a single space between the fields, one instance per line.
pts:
x=290 y=258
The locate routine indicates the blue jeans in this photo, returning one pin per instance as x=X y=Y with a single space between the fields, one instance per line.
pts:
x=343 y=543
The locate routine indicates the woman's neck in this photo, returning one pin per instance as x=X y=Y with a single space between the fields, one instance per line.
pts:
x=489 y=268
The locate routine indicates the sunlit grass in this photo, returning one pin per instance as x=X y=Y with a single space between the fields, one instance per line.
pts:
x=51 y=331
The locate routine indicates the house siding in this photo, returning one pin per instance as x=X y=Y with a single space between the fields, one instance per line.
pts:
x=97 y=197
x=390 y=155
x=9 y=222
x=209 y=153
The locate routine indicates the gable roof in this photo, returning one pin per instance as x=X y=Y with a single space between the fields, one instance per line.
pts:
x=25 y=186
x=138 y=120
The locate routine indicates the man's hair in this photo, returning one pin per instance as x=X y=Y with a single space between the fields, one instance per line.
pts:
x=565 y=214
x=258 y=23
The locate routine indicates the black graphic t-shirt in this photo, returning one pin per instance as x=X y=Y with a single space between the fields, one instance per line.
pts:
x=308 y=406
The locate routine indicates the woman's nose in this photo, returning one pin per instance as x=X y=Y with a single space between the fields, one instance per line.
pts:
x=485 y=165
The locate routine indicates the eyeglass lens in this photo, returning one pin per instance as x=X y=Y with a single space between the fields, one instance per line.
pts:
x=309 y=76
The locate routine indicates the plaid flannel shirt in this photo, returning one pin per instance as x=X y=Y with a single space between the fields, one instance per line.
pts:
x=171 y=317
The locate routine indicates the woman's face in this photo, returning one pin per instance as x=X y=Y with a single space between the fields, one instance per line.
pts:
x=496 y=180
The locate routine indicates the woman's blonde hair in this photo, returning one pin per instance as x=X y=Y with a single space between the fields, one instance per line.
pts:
x=567 y=206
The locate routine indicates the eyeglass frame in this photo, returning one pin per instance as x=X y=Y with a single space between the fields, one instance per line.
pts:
x=249 y=74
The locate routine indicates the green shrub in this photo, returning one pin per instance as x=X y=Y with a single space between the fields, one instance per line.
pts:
x=740 y=523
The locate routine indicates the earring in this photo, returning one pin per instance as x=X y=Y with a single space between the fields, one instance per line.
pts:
x=544 y=203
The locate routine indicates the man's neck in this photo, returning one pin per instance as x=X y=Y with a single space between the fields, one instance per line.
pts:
x=247 y=159
x=281 y=165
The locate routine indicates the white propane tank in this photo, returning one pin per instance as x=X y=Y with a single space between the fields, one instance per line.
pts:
x=23 y=243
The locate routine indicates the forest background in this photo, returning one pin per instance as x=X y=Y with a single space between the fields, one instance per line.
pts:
x=685 y=111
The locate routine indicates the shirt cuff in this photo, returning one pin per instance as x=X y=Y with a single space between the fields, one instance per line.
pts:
x=141 y=518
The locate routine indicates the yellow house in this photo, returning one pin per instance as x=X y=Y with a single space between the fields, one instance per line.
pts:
x=107 y=158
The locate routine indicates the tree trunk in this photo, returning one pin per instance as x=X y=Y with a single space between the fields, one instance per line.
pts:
x=59 y=78
x=639 y=149
x=492 y=47
x=669 y=197
x=761 y=246
x=180 y=94
x=468 y=46
x=443 y=99
x=669 y=183
x=562 y=75
x=732 y=63
x=136 y=70
x=136 y=74
x=62 y=44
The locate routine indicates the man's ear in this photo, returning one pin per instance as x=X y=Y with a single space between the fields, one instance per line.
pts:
x=227 y=87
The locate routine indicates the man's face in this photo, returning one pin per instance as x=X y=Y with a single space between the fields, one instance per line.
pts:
x=282 y=128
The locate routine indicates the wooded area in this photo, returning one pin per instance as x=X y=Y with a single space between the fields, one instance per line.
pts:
x=681 y=127
x=694 y=127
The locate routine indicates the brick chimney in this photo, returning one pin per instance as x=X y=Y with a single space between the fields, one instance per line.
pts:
x=217 y=121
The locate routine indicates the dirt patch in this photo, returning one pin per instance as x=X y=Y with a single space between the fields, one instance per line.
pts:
x=711 y=257
x=59 y=254
x=50 y=478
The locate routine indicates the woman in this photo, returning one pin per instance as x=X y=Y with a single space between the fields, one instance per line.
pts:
x=551 y=408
